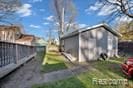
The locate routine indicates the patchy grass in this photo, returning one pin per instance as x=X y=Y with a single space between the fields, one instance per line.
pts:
x=102 y=70
x=53 y=61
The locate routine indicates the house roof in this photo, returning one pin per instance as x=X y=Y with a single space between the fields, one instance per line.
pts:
x=10 y=27
x=40 y=42
x=26 y=38
x=106 y=26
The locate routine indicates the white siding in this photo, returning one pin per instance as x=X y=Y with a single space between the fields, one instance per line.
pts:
x=95 y=42
x=84 y=54
x=102 y=42
x=112 y=45
x=88 y=46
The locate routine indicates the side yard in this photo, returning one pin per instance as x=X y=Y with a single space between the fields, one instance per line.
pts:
x=101 y=70
x=33 y=73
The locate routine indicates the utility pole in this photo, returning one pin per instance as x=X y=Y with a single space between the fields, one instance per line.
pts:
x=62 y=28
x=62 y=21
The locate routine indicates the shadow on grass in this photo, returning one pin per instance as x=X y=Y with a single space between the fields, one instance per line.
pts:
x=72 y=82
x=109 y=69
x=104 y=70
x=112 y=69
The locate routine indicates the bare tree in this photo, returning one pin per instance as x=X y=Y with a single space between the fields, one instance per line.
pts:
x=65 y=13
x=8 y=9
x=122 y=6
x=119 y=8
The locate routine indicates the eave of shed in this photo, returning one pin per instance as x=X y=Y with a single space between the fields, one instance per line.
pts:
x=91 y=28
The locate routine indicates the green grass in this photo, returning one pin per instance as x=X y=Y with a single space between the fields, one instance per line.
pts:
x=102 y=70
x=53 y=61
x=72 y=82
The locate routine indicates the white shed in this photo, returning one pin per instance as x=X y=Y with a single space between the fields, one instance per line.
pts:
x=88 y=43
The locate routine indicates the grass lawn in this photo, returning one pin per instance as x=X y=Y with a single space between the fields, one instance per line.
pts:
x=53 y=61
x=102 y=70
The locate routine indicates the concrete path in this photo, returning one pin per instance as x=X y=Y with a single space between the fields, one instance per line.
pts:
x=62 y=74
x=57 y=75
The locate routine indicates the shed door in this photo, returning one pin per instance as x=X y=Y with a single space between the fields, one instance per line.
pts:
x=92 y=49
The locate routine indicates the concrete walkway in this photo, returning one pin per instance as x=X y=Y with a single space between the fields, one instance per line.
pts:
x=62 y=74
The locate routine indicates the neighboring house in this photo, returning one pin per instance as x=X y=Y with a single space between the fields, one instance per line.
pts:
x=88 y=43
x=26 y=39
x=13 y=33
x=40 y=44
x=9 y=33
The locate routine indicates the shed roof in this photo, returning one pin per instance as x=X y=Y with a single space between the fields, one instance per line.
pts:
x=104 y=25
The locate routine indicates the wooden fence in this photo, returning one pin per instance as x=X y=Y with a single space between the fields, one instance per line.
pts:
x=125 y=48
x=12 y=55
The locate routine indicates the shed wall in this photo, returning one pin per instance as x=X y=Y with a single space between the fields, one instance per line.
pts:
x=88 y=45
x=112 y=45
x=96 y=41
x=83 y=46
x=71 y=45
x=102 y=41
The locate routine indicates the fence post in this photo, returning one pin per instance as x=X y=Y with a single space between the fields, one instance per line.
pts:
x=1 y=54
x=16 y=53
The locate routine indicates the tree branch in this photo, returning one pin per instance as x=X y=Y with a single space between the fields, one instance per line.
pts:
x=123 y=6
